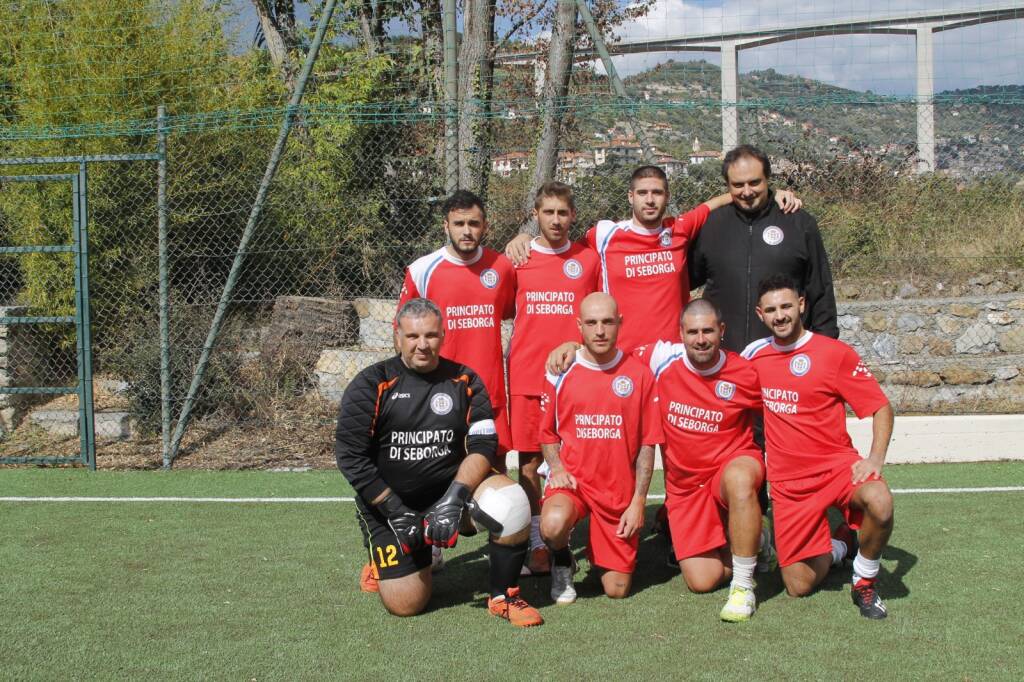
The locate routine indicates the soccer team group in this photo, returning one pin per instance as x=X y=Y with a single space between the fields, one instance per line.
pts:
x=744 y=389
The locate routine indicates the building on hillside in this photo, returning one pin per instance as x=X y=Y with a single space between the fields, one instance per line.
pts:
x=574 y=165
x=670 y=164
x=621 y=149
x=510 y=162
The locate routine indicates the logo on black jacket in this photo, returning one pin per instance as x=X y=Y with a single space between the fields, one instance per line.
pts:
x=441 y=404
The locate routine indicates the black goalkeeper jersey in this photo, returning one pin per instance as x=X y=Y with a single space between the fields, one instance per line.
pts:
x=400 y=429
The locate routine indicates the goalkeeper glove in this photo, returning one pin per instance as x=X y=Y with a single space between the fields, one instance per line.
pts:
x=442 y=519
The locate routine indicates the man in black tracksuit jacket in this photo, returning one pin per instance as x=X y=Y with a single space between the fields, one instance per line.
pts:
x=751 y=238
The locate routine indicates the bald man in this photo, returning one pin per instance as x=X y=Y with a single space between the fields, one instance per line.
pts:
x=598 y=433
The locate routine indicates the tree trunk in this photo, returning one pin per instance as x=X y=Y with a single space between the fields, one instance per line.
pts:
x=476 y=77
x=555 y=90
x=277 y=21
x=370 y=26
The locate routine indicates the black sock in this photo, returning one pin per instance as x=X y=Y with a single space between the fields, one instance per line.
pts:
x=562 y=557
x=506 y=563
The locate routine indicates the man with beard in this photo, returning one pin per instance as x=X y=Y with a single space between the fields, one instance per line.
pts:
x=751 y=238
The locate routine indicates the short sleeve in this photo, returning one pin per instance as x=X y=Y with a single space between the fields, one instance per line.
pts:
x=858 y=386
x=548 y=422
x=651 y=430
x=688 y=224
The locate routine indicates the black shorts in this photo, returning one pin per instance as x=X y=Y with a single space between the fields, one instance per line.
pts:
x=382 y=545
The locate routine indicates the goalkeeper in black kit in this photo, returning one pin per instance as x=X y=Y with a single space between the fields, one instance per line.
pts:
x=416 y=439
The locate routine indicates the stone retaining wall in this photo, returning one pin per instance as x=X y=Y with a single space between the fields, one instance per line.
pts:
x=936 y=355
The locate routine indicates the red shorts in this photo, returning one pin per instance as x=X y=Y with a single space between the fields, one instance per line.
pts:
x=697 y=517
x=525 y=415
x=800 y=512
x=604 y=548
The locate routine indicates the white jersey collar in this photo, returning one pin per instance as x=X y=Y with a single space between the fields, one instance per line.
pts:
x=535 y=246
x=640 y=229
x=705 y=372
x=799 y=343
x=593 y=365
x=457 y=261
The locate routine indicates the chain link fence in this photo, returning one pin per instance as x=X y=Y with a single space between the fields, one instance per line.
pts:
x=929 y=267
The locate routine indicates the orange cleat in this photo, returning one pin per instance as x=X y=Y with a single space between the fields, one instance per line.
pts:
x=368 y=578
x=514 y=609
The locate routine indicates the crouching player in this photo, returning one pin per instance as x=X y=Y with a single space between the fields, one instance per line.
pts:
x=598 y=433
x=417 y=441
x=707 y=398
x=805 y=380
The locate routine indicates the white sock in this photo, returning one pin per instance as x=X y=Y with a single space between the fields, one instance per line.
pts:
x=535 y=540
x=839 y=550
x=743 y=571
x=864 y=568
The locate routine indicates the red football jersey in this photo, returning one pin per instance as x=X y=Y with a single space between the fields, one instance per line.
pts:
x=708 y=415
x=474 y=297
x=803 y=387
x=602 y=414
x=549 y=289
x=645 y=270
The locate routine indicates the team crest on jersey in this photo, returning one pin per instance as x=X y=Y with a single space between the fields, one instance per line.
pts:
x=772 y=235
x=441 y=404
x=725 y=390
x=861 y=370
x=800 y=365
x=666 y=237
x=489 y=278
x=572 y=269
x=623 y=386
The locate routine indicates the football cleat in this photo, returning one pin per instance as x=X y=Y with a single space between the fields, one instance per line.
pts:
x=740 y=606
x=537 y=563
x=369 y=578
x=514 y=609
x=562 y=591
x=436 y=559
x=867 y=600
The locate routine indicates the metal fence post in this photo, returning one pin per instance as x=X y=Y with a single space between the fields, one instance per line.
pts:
x=451 y=95
x=613 y=76
x=88 y=425
x=250 y=230
x=165 y=336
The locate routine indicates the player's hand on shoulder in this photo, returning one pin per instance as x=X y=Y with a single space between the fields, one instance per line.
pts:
x=562 y=357
x=518 y=249
x=560 y=478
x=406 y=524
x=631 y=521
x=866 y=470
x=787 y=201
x=441 y=520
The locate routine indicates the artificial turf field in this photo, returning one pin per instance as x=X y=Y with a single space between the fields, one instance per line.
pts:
x=255 y=591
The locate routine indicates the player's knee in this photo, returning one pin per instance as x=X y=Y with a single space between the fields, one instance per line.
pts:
x=617 y=588
x=554 y=525
x=700 y=583
x=505 y=502
x=798 y=588
x=878 y=502
x=405 y=606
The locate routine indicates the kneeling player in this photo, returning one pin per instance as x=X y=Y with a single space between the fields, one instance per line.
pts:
x=416 y=439
x=598 y=435
x=713 y=469
x=805 y=380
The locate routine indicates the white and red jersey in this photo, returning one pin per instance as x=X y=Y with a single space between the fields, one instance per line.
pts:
x=549 y=289
x=602 y=414
x=804 y=387
x=645 y=271
x=707 y=415
x=474 y=297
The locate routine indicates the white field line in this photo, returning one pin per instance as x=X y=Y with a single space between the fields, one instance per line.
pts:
x=314 y=500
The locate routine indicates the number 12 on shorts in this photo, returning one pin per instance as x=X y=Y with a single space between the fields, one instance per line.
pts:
x=387 y=556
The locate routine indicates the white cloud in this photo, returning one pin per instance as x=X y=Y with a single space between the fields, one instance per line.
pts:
x=988 y=54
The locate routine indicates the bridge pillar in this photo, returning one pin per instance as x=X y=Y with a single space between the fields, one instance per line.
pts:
x=730 y=95
x=925 y=99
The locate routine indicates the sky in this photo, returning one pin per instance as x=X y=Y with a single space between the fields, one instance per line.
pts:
x=990 y=54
